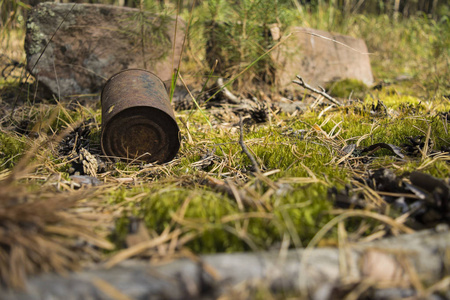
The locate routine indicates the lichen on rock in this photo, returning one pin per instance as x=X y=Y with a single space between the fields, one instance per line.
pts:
x=74 y=48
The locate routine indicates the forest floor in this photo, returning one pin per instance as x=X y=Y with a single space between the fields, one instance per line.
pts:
x=245 y=180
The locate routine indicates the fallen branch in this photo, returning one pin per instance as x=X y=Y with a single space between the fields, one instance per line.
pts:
x=229 y=95
x=322 y=92
x=388 y=265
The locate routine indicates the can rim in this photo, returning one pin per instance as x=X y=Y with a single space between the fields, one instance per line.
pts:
x=126 y=70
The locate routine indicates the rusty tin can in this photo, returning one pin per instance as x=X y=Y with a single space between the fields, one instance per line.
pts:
x=138 y=122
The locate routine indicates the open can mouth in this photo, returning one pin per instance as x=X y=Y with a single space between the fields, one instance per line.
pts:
x=138 y=122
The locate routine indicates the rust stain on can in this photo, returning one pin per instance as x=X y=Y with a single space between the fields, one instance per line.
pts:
x=138 y=122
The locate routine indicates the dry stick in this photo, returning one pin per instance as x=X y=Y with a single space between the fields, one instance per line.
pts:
x=269 y=269
x=303 y=84
x=230 y=96
x=244 y=147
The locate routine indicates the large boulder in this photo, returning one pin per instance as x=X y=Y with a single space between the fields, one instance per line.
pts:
x=88 y=43
x=320 y=57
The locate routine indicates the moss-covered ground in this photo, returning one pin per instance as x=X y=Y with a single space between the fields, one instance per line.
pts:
x=211 y=198
x=301 y=158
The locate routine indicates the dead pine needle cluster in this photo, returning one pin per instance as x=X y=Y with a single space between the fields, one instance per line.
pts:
x=41 y=231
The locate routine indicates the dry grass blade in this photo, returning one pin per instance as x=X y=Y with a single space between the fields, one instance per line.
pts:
x=441 y=285
x=429 y=161
x=26 y=244
x=246 y=216
x=141 y=247
x=37 y=230
x=370 y=194
x=109 y=290
x=425 y=147
x=88 y=236
x=344 y=214
x=224 y=187
x=235 y=193
x=331 y=40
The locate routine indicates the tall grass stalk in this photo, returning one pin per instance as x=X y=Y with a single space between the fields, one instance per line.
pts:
x=176 y=72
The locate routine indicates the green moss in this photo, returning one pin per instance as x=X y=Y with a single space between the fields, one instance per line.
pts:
x=207 y=211
x=345 y=88
x=301 y=210
x=11 y=149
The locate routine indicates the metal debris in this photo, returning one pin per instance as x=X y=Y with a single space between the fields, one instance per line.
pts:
x=138 y=122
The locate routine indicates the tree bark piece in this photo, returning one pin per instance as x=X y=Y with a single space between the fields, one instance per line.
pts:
x=395 y=261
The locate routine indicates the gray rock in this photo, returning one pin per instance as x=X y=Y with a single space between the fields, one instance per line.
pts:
x=319 y=60
x=96 y=41
x=319 y=57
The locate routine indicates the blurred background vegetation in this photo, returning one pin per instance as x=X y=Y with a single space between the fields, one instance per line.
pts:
x=12 y=11
x=407 y=39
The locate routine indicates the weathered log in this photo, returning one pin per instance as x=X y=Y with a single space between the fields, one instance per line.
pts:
x=394 y=262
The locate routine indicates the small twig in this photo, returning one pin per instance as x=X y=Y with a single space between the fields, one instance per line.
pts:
x=244 y=147
x=303 y=84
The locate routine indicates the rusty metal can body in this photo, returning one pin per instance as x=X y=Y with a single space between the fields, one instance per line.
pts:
x=138 y=122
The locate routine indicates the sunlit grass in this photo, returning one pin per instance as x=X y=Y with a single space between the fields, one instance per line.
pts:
x=210 y=195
